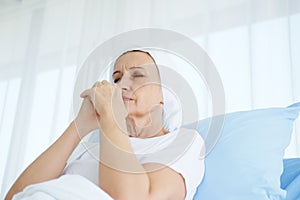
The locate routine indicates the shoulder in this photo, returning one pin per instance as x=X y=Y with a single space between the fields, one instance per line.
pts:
x=191 y=162
x=192 y=139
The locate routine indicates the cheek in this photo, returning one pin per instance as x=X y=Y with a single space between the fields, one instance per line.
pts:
x=147 y=97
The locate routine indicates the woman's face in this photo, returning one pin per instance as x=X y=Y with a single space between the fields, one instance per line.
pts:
x=137 y=75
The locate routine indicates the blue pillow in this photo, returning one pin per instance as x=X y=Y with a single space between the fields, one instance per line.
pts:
x=246 y=162
x=290 y=178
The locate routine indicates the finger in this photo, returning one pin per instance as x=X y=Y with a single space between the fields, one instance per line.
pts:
x=105 y=82
x=116 y=85
x=86 y=93
x=97 y=84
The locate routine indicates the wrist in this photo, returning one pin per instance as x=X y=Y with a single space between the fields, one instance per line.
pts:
x=80 y=128
x=110 y=124
x=72 y=133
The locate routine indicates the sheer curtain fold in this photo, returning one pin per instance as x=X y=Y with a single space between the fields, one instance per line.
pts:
x=254 y=44
x=25 y=102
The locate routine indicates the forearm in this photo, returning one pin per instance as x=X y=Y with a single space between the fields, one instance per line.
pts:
x=50 y=163
x=120 y=173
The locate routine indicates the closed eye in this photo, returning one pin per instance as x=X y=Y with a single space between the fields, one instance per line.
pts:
x=117 y=80
x=138 y=75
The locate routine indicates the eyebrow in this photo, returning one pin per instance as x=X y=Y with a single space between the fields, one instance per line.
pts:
x=134 y=67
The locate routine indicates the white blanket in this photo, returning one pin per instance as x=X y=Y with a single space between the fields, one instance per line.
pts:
x=66 y=187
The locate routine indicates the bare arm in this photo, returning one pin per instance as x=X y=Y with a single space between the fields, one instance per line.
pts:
x=50 y=163
x=122 y=176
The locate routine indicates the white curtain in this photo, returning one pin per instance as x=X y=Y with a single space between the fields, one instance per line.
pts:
x=255 y=45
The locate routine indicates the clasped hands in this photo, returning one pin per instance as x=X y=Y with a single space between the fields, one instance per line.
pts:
x=102 y=107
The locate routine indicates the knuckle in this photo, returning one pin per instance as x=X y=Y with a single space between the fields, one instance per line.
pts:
x=96 y=84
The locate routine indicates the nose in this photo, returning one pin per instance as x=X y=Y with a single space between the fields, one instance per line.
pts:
x=124 y=83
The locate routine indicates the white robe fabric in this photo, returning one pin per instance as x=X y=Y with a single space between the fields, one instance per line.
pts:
x=182 y=150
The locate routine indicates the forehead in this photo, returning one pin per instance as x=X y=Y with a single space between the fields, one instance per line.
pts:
x=131 y=59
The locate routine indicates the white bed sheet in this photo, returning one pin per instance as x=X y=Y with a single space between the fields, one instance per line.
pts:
x=66 y=187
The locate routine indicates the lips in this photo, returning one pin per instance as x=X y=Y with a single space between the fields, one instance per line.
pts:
x=126 y=98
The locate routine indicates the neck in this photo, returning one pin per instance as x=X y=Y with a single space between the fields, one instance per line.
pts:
x=146 y=126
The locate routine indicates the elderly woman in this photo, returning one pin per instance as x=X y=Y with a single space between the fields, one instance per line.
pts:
x=129 y=114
